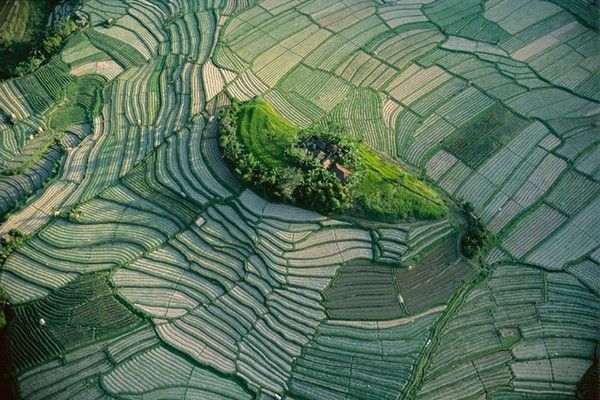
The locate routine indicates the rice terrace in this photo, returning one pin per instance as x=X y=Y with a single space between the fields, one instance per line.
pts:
x=300 y=199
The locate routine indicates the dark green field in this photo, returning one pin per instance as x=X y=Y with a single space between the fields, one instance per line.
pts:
x=364 y=292
x=434 y=279
x=20 y=23
x=19 y=19
x=484 y=135
x=378 y=292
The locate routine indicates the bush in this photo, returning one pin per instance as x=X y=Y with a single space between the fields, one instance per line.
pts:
x=28 y=66
x=16 y=239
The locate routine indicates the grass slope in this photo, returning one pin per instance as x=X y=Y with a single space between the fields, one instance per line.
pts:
x=388 y=192
x=265 y=133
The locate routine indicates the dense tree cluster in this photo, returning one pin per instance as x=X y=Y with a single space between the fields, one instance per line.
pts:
x=476 y=238
x=304 y=181
x=9 y=242
x=46 y=41
x=53 y=39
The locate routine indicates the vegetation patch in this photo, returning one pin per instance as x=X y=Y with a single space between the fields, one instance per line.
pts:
x=26 y=40
x=79 y=100
x=484 y=135
x=122 y=53
x=319 y=168
x=588 y=387
x=464 y=18
x=47 y=168
x=21 y=22
x=364 y=292
x=587 y=12
x=8 y=381
x=477 y=238
x=434 y=279
x=81 y=312
x=9 y=242
x=265 y=134
x=387 y=192
x=83 y=102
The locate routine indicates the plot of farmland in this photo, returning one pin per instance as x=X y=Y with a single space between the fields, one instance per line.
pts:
x=381 y=293
x=136 y=265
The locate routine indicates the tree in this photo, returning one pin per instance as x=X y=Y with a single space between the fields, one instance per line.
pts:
x=477 y=237
x=51 y=44
x=290 y=180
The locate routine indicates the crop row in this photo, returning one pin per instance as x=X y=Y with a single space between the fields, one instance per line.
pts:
x=401 y=49
x=193 y=35
x=354 y=363
x=16 y=188
x=498 y=333
x=400 y=14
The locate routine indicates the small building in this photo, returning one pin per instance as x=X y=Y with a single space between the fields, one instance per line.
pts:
x=318 y=142
x=324 y=152
x=341 y=172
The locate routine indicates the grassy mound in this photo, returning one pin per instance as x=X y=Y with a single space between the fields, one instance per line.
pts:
x=263 y=149
x=265 y=133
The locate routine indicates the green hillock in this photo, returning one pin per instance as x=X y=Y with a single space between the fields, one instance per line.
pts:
x=264 y=133
x=282 y=162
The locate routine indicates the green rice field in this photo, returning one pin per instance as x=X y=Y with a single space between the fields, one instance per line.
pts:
x=136 y=265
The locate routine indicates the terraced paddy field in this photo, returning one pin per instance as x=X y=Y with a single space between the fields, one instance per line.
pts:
x=142 y=268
